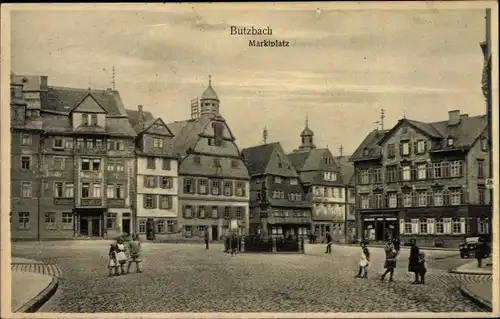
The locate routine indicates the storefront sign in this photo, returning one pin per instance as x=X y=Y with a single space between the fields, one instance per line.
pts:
x=391 y=218
x=368 y=219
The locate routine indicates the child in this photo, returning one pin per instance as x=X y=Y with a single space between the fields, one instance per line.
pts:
x=120 y=254
x=363 y=262
x=135 y=249
x=423 y=267
x=113 y=261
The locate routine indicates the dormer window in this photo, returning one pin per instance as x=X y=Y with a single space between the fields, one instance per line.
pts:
x=330 y=176
x=484 y=144
x=450 y=141
x=365 y=151
x=404 y=130
x=89 y=119
x=93 y=119
x=157 y=142
x=328 y=160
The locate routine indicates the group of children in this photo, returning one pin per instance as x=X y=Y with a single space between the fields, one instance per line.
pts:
x=118 y=257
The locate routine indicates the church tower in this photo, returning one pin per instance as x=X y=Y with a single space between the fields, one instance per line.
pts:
x=307 y=138
x=209 y=101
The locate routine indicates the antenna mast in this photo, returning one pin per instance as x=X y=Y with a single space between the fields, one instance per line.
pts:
x=341 y=150
x=264 y=135
x=382 y=117
x=114 y=78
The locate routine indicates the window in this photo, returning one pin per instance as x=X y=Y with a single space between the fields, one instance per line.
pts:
x=215 y=187
x=240 y=189
x=405 y=148
x=26 y=139
x=377 y=175
x=404 y=130
x=188 y=186
x=484 y=144
x=439 y=226
x=197 y=160
x=90 y=144
x=450 y=141
x=408 y=227
x=480 y=168
x=216 y=162
x=24 y=220
x=67 y=221
x=456 y=197
x=365 y=201
x=228 y=188
x=406 y=173
x=69 y=190
x=227 y=212
x=330 y=176
x=407 y=199
x=85 y=119
x=378 y=201
x=111 y=145
x=234 y=164
x=422 y=198
x=25 y=162
x=69 y=144
x=366 y=151
x=26 y=190
x=111 y=191
x=160 y=226
x=171 y=226
x=456 y=226
x=142 y=226
x=188 y=231
x=120 y=191
x=157 y=142
x=151 y=163
x=325 y=191
x=391 y=150
x=437 y=170
x=215 y=212
x=391 y=174
x=294 y=181
x=365 y=176
x=58 y=142
x=455 y=169
x=80 y=143
x=278 y=180
x=98 y=144
x=482 y=225
x=166 y=182
x=188 y=211
x=58 y=189
x=149 y=201
x=119 y=166
x=85 y=190
x=58 y=163
x=166 y=164
x=201 y=212
x=421 y=147
x=111 y=221
x=93 y=119
x=120 y=145
x=201 y=230
x=393 y=200
x=150 y=181
x=165 y=202
x=422 y=171
x=111 y=165
x=481 y=195
x=50 y=221
x=96 y=190
x=438 y=198
x=85 y=164
x=422 y=223
x=278 y=194
x=239 y=212
x=96 y=165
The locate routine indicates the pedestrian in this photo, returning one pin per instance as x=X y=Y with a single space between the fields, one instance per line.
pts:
x=113 y=261
x=422 y=267
x=121 y=256
x=480 y=252
x=397 y=244
x=413 y=260
x=207 y=238
x=328 y=243
x=134 y=250
x=390 y=261
x=363 y=262
x=315 y=236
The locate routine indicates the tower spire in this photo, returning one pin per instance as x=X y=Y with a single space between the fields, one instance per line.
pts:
x=209 y=80
x=382 y=117
x=264 y=135
x=307 y=120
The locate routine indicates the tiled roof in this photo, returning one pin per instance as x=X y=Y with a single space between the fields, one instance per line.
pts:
x=257 y=157
x=286 y=203
x=187 y=132
x=307 y=132
x=346 y=169
x=370 y=142
x=298 y=159
x=133 y=117
x=209 y=94
x=309 y=160
x=426 y=127
x=466 y=132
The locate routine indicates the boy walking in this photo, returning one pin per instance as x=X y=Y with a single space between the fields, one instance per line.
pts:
x=328 y=238
x=207 y=237
x=363 y=262
x=134 y=249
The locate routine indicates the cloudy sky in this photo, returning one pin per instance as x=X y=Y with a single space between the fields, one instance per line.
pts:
x=341 y=68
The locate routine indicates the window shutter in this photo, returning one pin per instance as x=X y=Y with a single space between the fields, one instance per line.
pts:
x=401 y=226
x=400 y=149
x=400 y=173
x=243 y=212
x=194 y=185
x=430 y=198
x=233 y=212
x=446 y=197
x=447 y=225
x=462 y=225
x=445 y=169
x=431 y=225
x=169 y=202
x=429 y=171
x=425 y=146
x=398 y=200
x=145 y=181
x=478 y=225
x=143 y=201
x=460 y=168
x=462 y=196
x=157 y=181
x=487 y=225
x=415 y=147
x=155 y=201
x=414 y=226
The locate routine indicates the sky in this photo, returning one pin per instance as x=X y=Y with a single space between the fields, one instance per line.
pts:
x=341 y=68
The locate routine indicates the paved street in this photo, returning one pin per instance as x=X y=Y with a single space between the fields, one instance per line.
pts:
x=186 y=278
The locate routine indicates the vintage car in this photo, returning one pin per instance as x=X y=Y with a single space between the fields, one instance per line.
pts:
x=469 y=246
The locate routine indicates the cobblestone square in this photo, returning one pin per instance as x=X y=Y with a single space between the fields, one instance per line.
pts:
x=186 y=278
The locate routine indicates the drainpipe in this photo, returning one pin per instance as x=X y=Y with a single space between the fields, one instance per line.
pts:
x=41 y=186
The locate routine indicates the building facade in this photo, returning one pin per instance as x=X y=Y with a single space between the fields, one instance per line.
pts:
x=156 y=184
x=86 y=162
x=424 y=180
x=347 y=174
x=321 y=178
x=278 y=206
x=214 y=181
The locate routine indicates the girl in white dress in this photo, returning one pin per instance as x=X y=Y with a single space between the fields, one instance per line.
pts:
x=363 y=262
x=113 y=261
x=120 y=255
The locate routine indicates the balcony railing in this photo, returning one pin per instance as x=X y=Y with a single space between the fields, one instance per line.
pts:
x=116 y=202
x=64 y=201
x=87 y=202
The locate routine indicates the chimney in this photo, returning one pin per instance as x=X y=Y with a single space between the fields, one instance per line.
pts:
x=141 y=114
x=454 y=117
x=464 y=116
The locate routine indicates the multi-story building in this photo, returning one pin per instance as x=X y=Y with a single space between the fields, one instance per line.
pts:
x=278 y=205
x=86 y=147
x=156 y=185
x=214 y=181
x=347 y=174
x=424 y=180
x=322 y=181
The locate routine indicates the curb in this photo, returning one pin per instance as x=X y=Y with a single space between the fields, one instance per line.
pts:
x=36 y=303
x=465 y=272
x=475 y=298
x=402 y=247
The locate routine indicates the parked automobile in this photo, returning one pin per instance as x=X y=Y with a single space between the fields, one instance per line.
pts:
x=469 y=247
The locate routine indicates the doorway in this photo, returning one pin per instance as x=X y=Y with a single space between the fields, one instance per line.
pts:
x=84 y=226
x=126 y=226
x=215 y=233
x=379 y=231
x=96 y=229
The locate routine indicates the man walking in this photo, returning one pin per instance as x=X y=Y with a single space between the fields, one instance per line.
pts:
x=207 y=238
x=414 y=260
x=328 y=243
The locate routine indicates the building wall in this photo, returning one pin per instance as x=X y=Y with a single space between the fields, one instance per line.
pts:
x=474 y=181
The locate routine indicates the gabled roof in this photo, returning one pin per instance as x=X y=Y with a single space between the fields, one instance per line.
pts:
x=134 y=119
x=425 y=128
x=310 y=160
x=371 y=144
x=346 y=169
x=258 y=157
x=466 y=132
x=89 y=104
x=187 y=132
